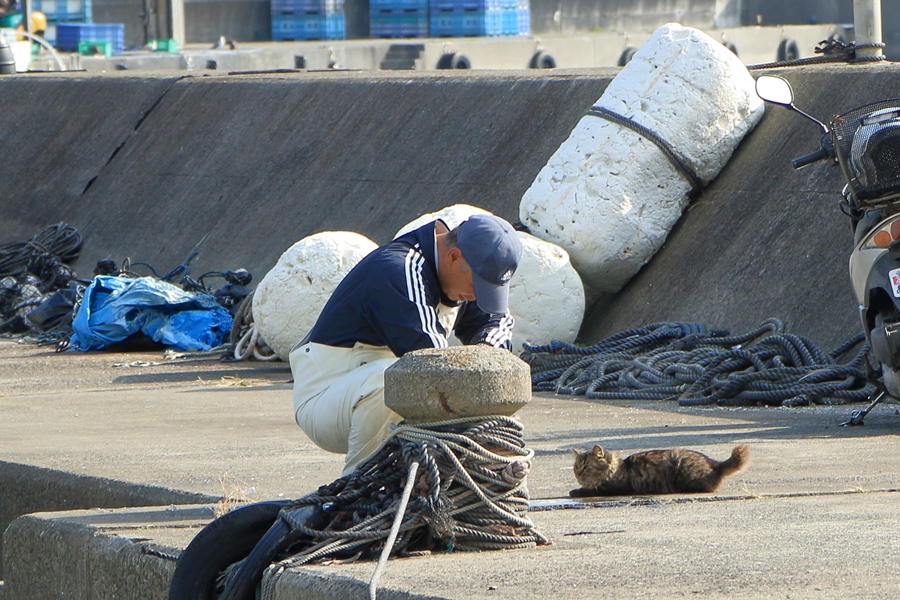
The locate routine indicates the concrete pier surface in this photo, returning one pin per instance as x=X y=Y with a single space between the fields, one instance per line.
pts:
x=816 y=514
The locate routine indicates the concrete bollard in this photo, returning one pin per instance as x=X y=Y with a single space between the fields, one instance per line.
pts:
x=430 y=385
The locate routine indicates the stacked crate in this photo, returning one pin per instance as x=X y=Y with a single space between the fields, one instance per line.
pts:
x=398 y=18
x=308 y=20
x=62 y=11
x=72 y=37
x=460 y=18
x=523 y=12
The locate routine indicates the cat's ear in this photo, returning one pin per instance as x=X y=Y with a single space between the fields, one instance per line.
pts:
x=598 y=451
x=577 y=452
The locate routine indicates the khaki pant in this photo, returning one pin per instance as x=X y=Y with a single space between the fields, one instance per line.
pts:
x=339 y=398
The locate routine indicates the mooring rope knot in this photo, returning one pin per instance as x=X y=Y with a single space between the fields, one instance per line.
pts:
x=468 y=492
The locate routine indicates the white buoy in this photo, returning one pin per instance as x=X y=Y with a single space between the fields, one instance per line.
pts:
x=452 y=215
x=546 y=296
x=608 y=195
x=288 y=300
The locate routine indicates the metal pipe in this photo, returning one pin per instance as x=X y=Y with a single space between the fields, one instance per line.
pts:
x=867 y=25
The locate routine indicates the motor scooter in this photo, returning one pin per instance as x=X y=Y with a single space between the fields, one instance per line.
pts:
x=865 y=143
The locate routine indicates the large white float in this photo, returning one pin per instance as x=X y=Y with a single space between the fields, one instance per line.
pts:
x=288 y=300
x=609 y=196
x=546 y=296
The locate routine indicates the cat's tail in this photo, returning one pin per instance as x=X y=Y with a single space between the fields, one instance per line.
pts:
x=740 y=458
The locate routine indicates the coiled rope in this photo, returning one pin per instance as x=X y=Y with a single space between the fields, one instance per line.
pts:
x=245 y=336
x=684 y=362
x=56 y=243
x=470 y=493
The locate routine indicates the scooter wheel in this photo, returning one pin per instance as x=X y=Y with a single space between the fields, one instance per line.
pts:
x=223 y=542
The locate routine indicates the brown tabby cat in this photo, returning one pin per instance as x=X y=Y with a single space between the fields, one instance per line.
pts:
x=676 y=470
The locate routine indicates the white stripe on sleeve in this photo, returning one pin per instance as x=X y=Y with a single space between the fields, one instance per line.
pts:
x=415 y=289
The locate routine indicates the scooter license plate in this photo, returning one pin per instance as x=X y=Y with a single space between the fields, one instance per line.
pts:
x=894 y=275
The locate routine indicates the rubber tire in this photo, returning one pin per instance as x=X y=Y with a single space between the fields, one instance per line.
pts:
x=278 y=538
x=787 y=50
x=248 y=575
x=542 y=60
x=626 y=56
x=454 y=60
x=460 y=61
x=222 y=542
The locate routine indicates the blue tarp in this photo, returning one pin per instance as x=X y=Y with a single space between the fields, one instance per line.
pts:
x=115 y=308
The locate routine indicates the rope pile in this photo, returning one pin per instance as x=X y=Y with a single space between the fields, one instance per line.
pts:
x=32 y=272
x=669 y=361
x=60 y=243
x=468 y=493
x=245 y=339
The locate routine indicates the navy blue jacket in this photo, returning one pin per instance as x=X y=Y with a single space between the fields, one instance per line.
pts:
x=390 y=298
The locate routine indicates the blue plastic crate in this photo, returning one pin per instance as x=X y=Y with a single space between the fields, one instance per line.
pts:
x=471 y=5
x=65 y=11
x=377 y=5
x=307 y=7
x=69 y=34
x=524 y=21
x=309 y=27
x=466 y=22
x=398 y=26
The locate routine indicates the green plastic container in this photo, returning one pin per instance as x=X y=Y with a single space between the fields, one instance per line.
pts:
x=167 y=45
x=89 y=48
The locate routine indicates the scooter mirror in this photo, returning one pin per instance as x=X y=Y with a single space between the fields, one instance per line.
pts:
x=775 y=90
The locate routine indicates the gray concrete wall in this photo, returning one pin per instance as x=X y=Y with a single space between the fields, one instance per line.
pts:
x=771 y=12
x=205 y=21
x=576 y=16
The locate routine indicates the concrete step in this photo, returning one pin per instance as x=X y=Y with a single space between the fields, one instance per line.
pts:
x=402 y=57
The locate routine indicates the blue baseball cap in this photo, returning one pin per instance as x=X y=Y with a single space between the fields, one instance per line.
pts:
x=492 y=248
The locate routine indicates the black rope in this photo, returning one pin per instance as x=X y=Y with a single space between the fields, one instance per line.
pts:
x=60 y=243
x=145 y=549
x=830 y=51
x=677 y=160
x=683 y=361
